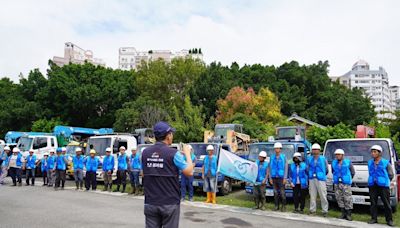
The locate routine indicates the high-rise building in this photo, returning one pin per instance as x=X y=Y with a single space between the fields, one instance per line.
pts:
x=75 y=54
x=395 y=97
x=130 y=58
x=375 y=84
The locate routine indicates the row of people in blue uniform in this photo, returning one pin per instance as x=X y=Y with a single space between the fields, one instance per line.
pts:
x=309 y=177
x=53 y=167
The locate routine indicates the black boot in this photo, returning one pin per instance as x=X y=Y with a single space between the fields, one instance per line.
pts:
x=262 y=207
x=257 y=202
x=117 y=188
x=33 y=182
x=105 y=187
x=81 y=185
x=343 y=215
x=77 y=185
x=276 y=199
x=123 y=188
x=348 y=215
x=133 y=191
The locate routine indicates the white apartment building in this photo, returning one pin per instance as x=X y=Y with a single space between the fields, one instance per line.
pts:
x=375 y=84
x=395 y=97
x=130 y=58
x=75 y=54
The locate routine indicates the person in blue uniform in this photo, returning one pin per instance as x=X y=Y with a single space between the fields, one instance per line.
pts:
x=261 y=181
x=161 y=166
x=51 y=173
x=30 y=167
x=209 y=175
x=135 y=165
x=187 y=182
x=108 y=169
x=44 y=167
x=278 y=170
x=77 y=162
x=380 y=176
x=123 y=165
x=92 y=164
x=298 y=179
x=60 y=169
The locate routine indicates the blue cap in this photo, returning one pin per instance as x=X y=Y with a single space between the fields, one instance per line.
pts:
x=59 y=150
x=162 y=128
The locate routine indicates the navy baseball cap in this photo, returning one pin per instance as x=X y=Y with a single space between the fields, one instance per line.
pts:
x=162 y=128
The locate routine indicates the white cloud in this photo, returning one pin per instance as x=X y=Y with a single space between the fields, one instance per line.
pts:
x=269 y=32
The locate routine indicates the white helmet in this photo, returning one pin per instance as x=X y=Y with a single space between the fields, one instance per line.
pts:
x=108 y=149
x=15 y=150
x=278 y=145
x=316 y=146
x=63 y=149
x=52 y=150
x=122 y=148
x=190 y=147
x=31 y=150
x=7 y=148
x=339 y=151
x=78 y=149
x=210 y=147
x=263 y=154
x=45 y=154
x=297 y=155
x=376 y=147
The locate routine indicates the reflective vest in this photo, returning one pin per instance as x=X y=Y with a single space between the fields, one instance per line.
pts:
x=261 y=170
x=213 y=165
x=44 y=165
x=135 y=162
x=31 y=162
x=341 y=173
x=317 y=170
x=50 y=161
x=78 y=162
x=278 y=167
x=122 y=164
x=302 y=175
x=108 y=163
x=161 y=175
x=92 y=164
x=61 y=163
x=378 y=174
x=19 y=161
x=5 y=161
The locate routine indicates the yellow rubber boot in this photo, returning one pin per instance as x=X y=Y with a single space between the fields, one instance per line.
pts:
x=214 y=198
x=208 y=198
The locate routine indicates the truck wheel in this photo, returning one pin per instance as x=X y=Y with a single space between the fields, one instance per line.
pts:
x=226 y=187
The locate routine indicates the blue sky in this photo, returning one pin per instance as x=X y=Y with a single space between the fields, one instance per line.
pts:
x=265 y=32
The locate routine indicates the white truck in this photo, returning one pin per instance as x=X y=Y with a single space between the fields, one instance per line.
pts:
x=358 y=151
x=39 y=143
x=114 y=141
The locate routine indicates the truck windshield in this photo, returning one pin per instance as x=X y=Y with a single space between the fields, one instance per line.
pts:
x=287 y=149
x=25 y=143
x=289 y=133
x=357 y=151
x=201 y=149
x=98 y=144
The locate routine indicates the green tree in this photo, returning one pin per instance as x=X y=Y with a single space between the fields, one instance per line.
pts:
x=44 y=125
x=321 y=135
x=188 y=121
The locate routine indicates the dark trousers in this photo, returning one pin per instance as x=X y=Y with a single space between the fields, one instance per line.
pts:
x=279 y=191
x=90 y=180
x=121 y=177
x=186 y=182
x=383 y=192
x=45 y=179
x=165 y=216
x=299 y=196
x=60 y=177
x=259 y=194
x=30 y=173
x=15 y=174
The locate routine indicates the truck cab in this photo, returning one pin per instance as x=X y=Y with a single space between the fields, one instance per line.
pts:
x=114 y=141
x=224 y=183
x=358 y=151
x=288 y=149
x=39 y=143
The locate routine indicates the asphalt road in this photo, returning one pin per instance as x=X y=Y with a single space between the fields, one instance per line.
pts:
x=38 y=206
